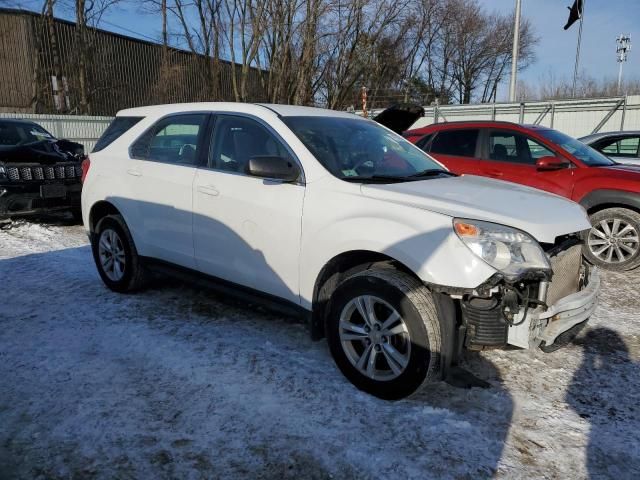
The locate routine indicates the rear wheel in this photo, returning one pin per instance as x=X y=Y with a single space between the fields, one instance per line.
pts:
x=384 y=333
x=116 y=256
x=613 y=242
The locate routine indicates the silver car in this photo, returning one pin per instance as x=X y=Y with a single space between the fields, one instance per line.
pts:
x=623 y=147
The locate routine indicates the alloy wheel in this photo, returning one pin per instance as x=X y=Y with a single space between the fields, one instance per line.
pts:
x=112 y=255
x=374 y=338
x=614 y=240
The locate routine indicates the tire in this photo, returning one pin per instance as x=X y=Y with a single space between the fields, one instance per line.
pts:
x=132 y=276
x=416 y=337
x=620 y=227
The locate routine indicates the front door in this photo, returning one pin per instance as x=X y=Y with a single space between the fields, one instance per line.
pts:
x=511 y=156
x=247 y=229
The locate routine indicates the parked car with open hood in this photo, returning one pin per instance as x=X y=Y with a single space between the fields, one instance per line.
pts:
x=38 y=173
x=399 y=262
x=622 y=147
x=550 y=160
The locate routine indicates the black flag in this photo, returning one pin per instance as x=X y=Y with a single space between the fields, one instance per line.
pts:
x=575 y=12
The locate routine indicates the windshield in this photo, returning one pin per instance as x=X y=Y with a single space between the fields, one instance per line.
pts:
x=357 y=150
x=581 y=151
x=16 y=133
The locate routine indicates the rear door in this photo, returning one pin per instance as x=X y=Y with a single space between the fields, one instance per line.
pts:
x=621 y=149
x=161 y=173
x=456 y=148
x=510 y=155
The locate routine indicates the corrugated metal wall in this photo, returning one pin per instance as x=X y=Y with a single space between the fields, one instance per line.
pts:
x=573 y=117
x=121 y=72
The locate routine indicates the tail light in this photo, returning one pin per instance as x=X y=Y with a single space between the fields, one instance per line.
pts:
x=86 y=163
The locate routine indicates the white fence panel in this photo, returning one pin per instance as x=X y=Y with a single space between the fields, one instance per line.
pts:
x=574 y=117
x=82 y=129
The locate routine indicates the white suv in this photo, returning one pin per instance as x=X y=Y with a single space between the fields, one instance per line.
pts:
x=398 y=262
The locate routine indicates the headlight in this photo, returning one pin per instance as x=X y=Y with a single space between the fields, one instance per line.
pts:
x=508 y=250
x=3 y=173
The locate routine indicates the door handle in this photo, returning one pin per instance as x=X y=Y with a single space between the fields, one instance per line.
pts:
x=209 y=190
x=134 y=173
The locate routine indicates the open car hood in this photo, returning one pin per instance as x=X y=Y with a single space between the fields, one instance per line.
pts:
x=399 y=117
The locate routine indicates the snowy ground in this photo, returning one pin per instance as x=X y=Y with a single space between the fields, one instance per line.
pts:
x=176 y=382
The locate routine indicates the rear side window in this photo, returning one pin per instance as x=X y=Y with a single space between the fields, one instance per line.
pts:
x=460 y=143
x=114 y=131
x=623 y=147
x=173 y=139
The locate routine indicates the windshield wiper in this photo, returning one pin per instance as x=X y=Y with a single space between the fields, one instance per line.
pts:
x=376 y=178
x=432 y=172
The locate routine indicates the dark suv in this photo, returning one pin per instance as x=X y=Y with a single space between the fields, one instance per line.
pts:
x=553 y=161
x=38 y=173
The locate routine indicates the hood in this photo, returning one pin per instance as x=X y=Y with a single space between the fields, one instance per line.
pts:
x=543 y=215
x=45 y=152
x=399 y=117
x=623 y=169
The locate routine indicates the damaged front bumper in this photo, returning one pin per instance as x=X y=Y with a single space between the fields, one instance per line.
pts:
x=18 y=200
x=537 y=310
x=542 y=327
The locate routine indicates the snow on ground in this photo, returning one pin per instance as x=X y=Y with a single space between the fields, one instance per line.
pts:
x=177 y=382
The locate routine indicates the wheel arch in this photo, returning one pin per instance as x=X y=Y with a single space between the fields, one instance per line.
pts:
x=98 y=211
x=598 y=200
x=334 y=271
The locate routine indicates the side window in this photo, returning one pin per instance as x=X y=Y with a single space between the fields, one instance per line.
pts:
x=513 y=147
x=624 y=147
x=238 y=139
x=173 y=140
x=461 y=143
x=538 y=150
x=424 y=141
x=114 y=131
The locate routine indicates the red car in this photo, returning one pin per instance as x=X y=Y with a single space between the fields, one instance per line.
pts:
x=550 y=160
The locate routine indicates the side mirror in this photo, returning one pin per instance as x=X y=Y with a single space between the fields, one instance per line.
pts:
x=278 y=168
x=549 y=164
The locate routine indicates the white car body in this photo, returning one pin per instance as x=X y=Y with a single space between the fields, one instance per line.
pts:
x=277 y=237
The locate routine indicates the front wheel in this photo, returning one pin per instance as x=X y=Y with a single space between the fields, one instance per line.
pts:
x=384 y=333
x=613 y=242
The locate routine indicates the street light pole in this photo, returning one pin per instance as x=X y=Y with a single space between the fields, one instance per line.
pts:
x=514 y=56
x=624 y=45
x=575 y=70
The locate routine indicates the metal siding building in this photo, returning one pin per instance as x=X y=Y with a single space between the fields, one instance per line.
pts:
x=120 y=71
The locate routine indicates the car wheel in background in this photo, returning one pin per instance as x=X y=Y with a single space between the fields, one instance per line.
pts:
x=116 y=256
x=384 y=333
x=614 y=241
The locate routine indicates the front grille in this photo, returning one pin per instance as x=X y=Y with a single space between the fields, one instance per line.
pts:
x=566 y=267
x=64 y=171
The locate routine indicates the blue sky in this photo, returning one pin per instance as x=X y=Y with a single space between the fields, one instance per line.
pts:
x=604 y=21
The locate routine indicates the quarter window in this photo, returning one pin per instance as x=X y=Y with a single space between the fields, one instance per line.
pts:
x=114 y=131
x=238 y=139
x=172 y=140
x=460 y=143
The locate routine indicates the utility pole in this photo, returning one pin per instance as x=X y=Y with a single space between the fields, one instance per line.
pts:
x=624 y=45
x=514 y=56
x=575 y=70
